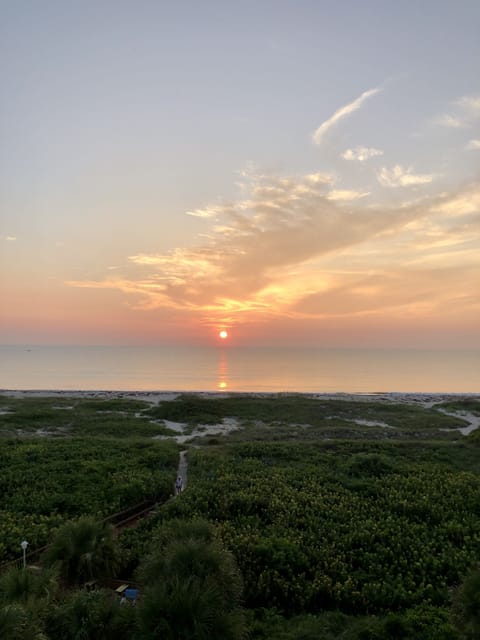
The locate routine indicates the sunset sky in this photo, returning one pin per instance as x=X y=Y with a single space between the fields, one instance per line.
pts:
x=294 y=172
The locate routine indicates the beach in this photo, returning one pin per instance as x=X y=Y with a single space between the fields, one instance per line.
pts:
x=154 y=397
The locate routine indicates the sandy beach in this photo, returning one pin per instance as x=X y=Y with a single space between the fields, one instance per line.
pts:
x=154 y=397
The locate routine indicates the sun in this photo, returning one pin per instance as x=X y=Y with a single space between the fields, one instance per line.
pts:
x=223 y=334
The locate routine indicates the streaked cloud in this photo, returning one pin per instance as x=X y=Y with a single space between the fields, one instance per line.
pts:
x=207 y=212
x=399 y=176
x=470 y=104
x=342 y=113
x=346 y=194
x=466 y=110
x=361 y=154
x=453 y=122
x=294 y=247
x=406 y=292
x=254 y=249
x=473 y=145
x=465 y=203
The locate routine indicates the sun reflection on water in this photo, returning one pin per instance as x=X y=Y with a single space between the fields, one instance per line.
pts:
x=222 y=383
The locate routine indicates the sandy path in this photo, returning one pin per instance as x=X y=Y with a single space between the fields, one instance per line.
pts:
x=473 y=419
x=201 y=431
x=182 y=470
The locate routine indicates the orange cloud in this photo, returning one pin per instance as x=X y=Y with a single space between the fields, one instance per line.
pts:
x=292 y=247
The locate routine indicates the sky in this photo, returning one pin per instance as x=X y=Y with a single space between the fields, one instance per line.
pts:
x=293 y=172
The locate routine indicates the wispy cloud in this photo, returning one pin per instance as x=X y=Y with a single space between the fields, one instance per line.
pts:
x=346 y=194
x=207 y=212
x=9 y=238
x=463 y=204
x=361 y=154
x=453 y=122
x=473 y=145
x=470 y=104
x=342 y=113
x=466 y=110
x=294 y=247
x=399 y=176
x=254 y=249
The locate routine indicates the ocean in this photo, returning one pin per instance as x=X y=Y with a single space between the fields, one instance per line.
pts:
x=235 y=369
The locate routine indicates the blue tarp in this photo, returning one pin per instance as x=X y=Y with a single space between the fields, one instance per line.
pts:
x=131 y=594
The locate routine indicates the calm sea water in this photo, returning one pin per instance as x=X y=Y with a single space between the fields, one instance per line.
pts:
x=239 y=369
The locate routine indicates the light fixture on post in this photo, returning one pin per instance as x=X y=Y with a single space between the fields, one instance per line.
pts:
x=24 y=545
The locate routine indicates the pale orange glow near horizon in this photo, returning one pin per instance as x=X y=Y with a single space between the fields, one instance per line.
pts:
x=187 y=179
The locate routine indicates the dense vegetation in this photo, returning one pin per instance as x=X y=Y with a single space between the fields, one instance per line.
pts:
x=47 y=480
x=299 y=416
x=356 y=528
x=64 y=416
x=346 y=519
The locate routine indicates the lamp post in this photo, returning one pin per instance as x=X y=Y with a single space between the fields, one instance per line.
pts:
x=24 y=545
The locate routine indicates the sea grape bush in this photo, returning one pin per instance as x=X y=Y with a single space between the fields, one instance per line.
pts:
x=44 y=482
x=313 y=530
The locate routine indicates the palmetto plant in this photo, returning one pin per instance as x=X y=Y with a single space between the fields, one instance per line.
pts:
x=84 y=550
x=90 y=615
x=188 y=609
x=466 y=606
x=24 y=600
x=192 y=589
x=13 y=618
x=23 y=586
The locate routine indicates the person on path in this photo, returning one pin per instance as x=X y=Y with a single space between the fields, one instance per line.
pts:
x=178 y=485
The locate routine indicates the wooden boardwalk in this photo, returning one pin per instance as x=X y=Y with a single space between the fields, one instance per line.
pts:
x=121 y=520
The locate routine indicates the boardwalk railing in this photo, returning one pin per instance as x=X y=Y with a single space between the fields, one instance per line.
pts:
x=119 y=520
x=130 y=513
